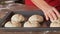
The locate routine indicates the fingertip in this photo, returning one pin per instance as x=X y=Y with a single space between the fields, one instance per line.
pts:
x=56 y=11
x=47 y=18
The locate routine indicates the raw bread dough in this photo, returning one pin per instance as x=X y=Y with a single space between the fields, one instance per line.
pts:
x=9 y=24
x=36 y=18
x=55 y=24
x=29 y=24
x=17 y=18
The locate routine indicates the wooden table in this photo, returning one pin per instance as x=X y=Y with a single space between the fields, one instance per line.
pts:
x=20 y=7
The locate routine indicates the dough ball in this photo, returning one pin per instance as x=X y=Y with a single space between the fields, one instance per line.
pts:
x=17 y=18
x=36 y=18
x=17 y=24
x=29 y=24
x=54 y=24
x=55 y=21
x=9 y=24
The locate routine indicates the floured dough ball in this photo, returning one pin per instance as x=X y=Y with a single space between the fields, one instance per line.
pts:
x=17 y=18
x=36 y=18
x=55 y=24
x=9 y=24
x=17 y=24
x=29 y=24
x=56 y=21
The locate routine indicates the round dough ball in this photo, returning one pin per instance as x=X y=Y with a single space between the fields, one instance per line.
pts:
x=54 y=24
x=17 y=18
x=36 y=18
x=17 y=24
x=55 y=21
x=9 y=24
x=29 y=24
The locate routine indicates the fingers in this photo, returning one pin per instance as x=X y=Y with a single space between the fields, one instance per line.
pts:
x=50 y=16
x=53 y=15
x=46 y=16
x=57 y=13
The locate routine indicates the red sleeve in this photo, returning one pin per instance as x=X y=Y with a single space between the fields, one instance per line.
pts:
x=54 y=3
x=28 y=2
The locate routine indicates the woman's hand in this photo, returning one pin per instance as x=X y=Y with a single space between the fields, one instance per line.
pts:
x=51 y=13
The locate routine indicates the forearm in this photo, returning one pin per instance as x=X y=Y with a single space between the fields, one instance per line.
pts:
x=41 y=4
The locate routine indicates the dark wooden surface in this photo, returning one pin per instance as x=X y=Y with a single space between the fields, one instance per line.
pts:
x=21 y=8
